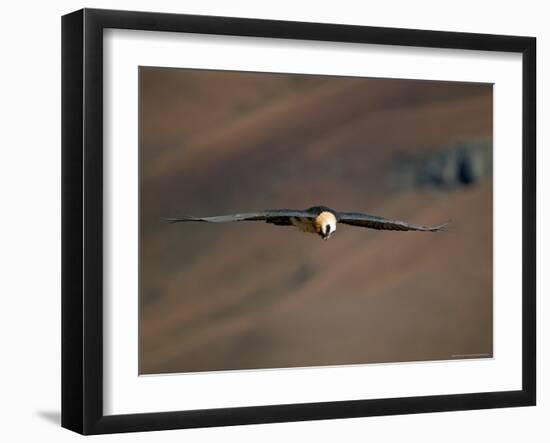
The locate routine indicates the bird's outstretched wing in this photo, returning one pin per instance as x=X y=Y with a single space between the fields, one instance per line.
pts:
x=275 y=216
x=375 y=222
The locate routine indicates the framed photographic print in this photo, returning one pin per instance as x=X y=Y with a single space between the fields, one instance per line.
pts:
x=269 y=221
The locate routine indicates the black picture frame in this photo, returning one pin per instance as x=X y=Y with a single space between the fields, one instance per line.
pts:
x=82 y=221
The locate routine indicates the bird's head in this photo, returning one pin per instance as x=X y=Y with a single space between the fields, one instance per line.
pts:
x=326 y=222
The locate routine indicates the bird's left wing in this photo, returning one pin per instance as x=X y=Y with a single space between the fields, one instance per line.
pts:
x=278 y=216
x=375 y=222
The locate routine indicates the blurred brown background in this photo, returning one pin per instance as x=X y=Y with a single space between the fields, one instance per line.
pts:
x=252 y=295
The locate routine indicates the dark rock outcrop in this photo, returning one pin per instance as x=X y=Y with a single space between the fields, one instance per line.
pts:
x=463 y=164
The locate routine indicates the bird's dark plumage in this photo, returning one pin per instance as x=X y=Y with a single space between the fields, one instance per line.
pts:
x=270 y=216
x=375 y=222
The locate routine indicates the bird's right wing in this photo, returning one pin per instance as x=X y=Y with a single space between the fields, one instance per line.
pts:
x=277 y=216
x=375 y=222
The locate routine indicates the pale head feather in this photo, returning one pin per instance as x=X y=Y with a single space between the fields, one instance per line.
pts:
x=325 y=219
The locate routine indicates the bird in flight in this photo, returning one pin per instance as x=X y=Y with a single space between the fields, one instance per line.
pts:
x=317 y=220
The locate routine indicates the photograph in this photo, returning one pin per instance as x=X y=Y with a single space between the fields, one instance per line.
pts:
x=291 y=220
